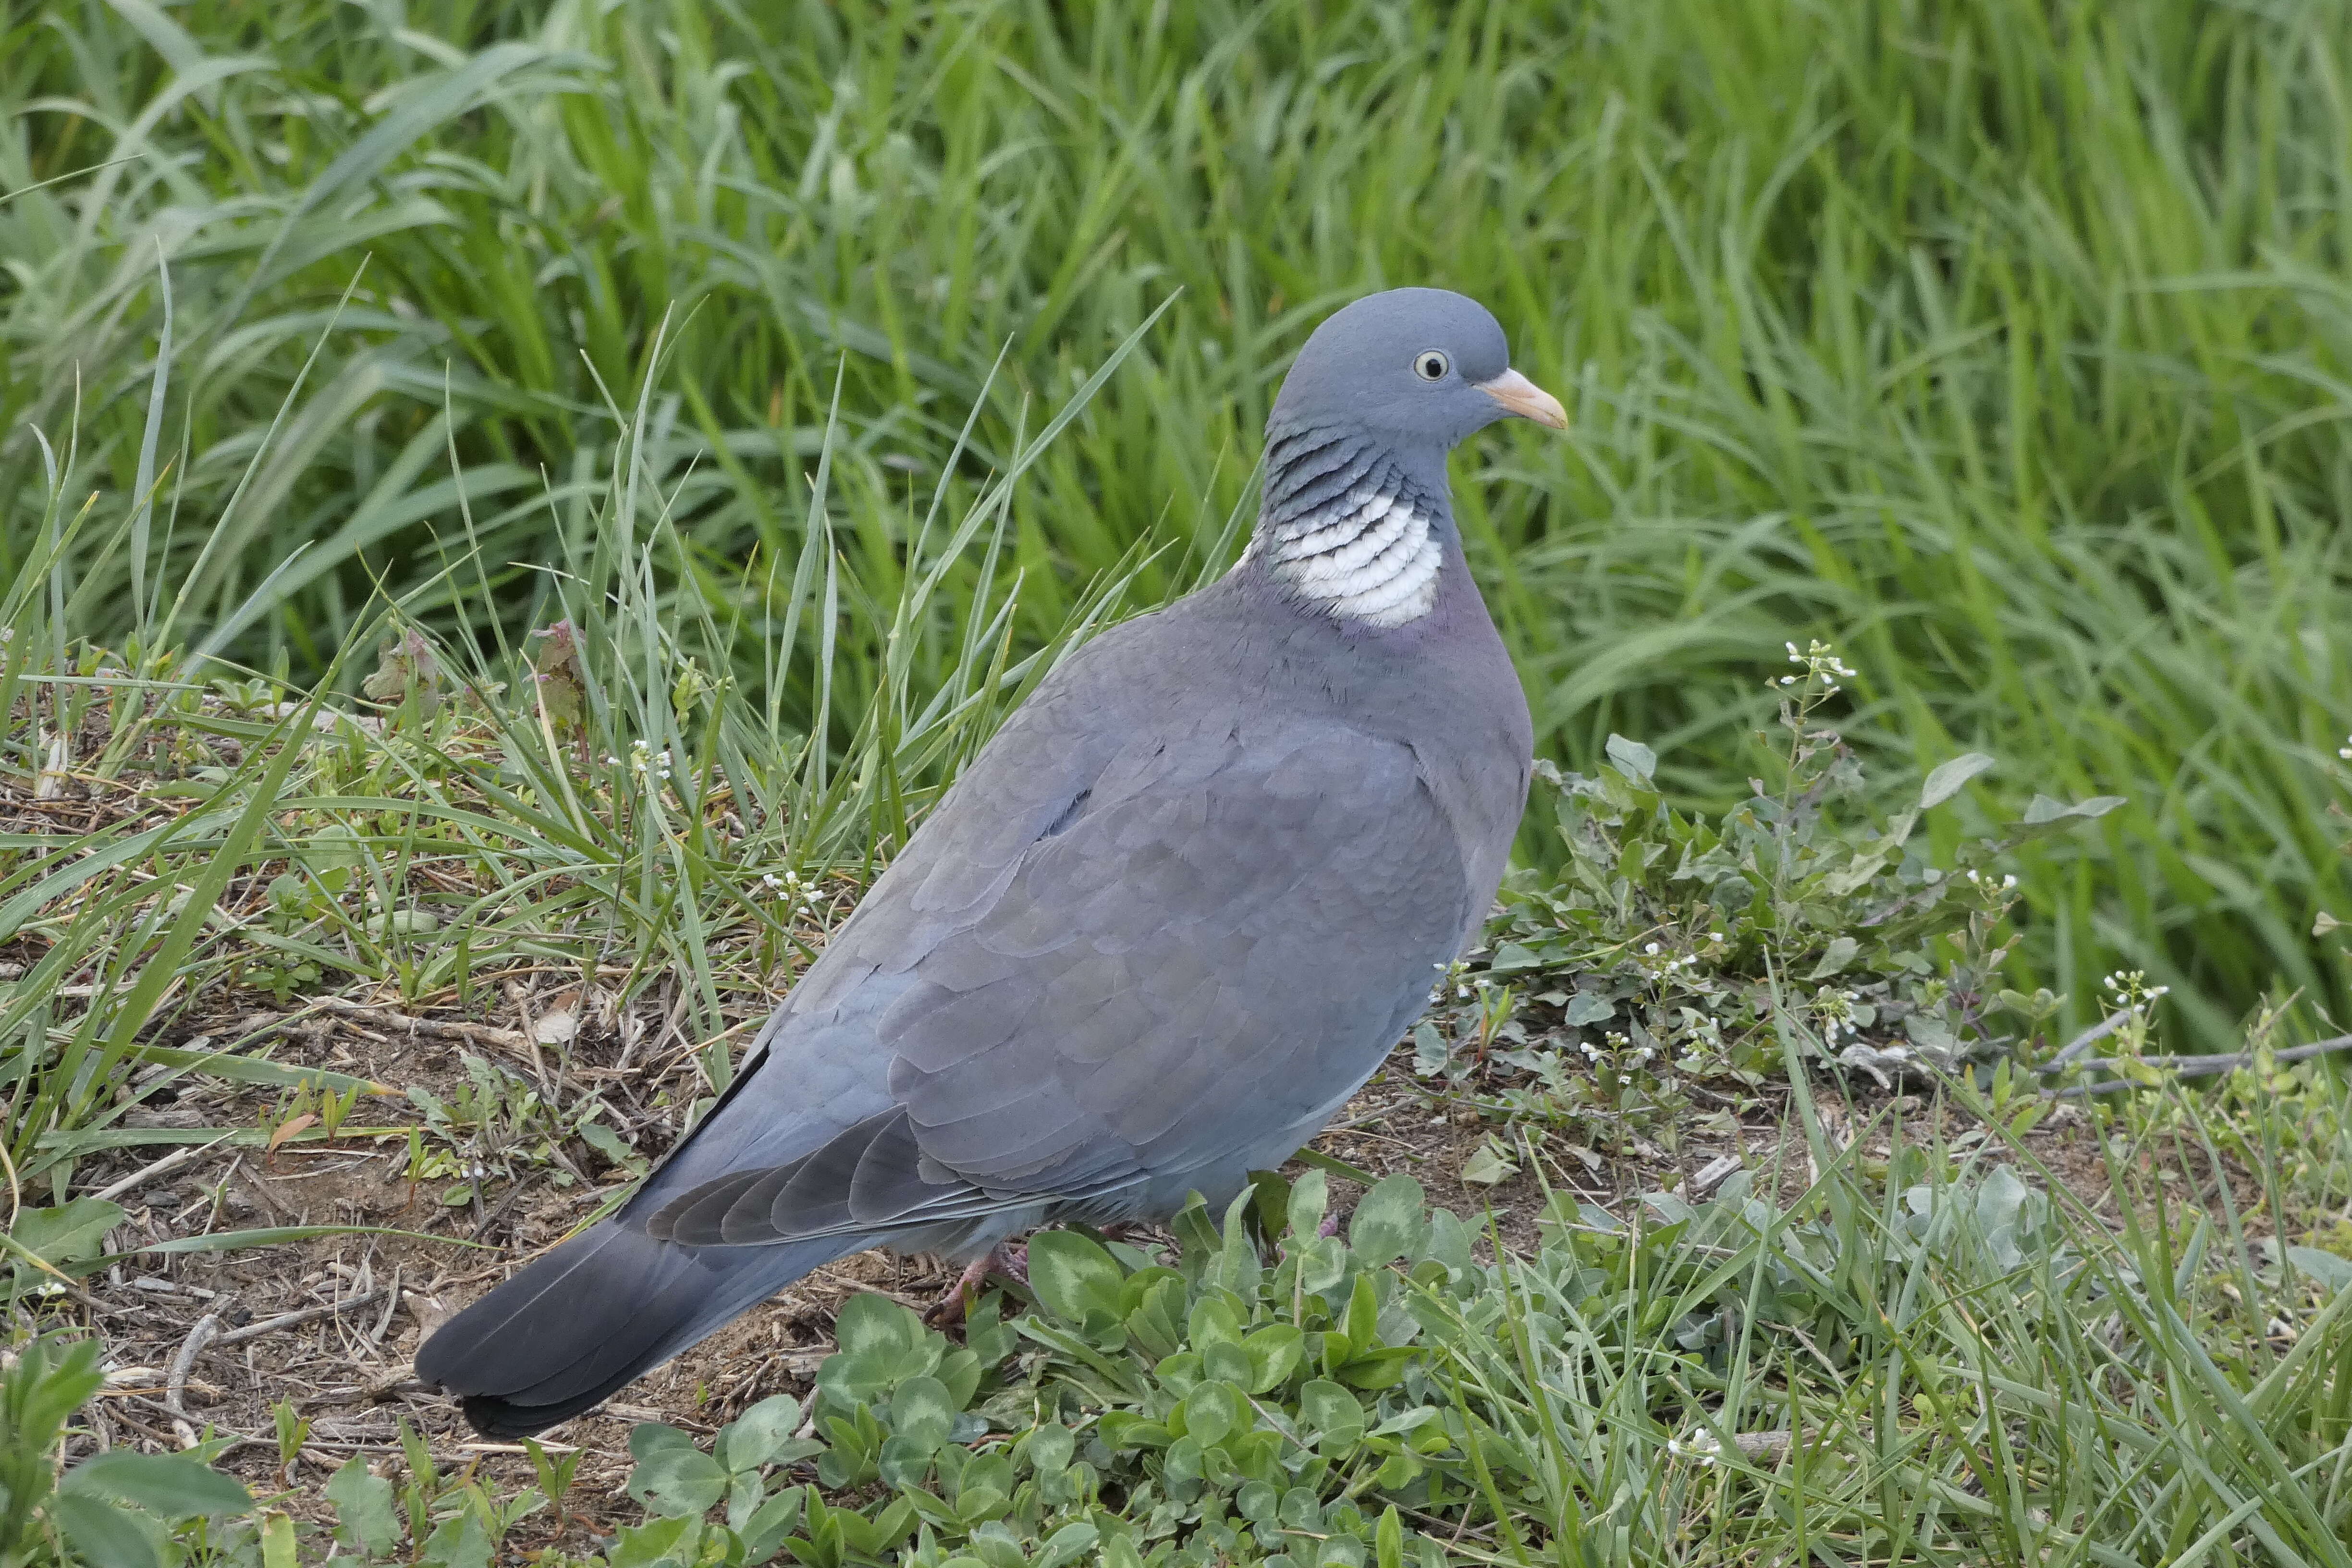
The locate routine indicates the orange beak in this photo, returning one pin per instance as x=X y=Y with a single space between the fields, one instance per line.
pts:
x=1523 y=397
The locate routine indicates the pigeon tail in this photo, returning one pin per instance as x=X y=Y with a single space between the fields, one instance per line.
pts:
x=595 y=1313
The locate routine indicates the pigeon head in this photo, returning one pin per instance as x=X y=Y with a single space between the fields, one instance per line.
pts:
x=1413 y=367
x=1355 y=519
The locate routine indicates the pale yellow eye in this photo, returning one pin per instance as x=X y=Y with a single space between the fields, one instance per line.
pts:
x=1431 y=365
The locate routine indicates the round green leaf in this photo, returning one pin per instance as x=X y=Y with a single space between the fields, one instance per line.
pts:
x=755 y=1435
x=1387 y=1223
x=922 y=1414
x=1223 y=1358
x=1274 y=1353
x=1333 y=1414
x=1075 y=1277
x=1050 y=1447
x=680 y=1482
x=647 y=1438
x=1212 y=1410
x=873 y=1325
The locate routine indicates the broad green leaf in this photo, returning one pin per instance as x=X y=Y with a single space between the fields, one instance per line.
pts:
x=1634 y=760
x=1948 y=778
x=1050 y=1447
x=1274 y=1351
x=1309 y=1197
x=1076 y=1279
x=754 y=1437
x=678 y=1481
x=1589 y=1007
x=763 y=1533
x=363 y=1504
x=1211 y=1410
x=1334 y=1415
x=1226 y=1359
x=168 y=1486
x=68 y=1233
x=1834 y=958
x=277 y=1540
x=647 y=1438
x=1068 y=1544
x=1488 y=1165
x=660 y=1541
x=2330 y=1270
x=105 y=1533
x=1387 y=1223
x=922 y=1414
x=872 y=1324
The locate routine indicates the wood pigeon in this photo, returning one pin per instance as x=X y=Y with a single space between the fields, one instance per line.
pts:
x=1166 y=923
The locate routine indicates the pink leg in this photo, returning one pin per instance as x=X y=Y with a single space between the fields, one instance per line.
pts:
x=1007 y=1258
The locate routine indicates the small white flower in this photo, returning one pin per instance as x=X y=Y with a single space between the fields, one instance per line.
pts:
x=1652 y=948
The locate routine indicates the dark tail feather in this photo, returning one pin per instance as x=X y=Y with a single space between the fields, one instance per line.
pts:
x=571 y=1329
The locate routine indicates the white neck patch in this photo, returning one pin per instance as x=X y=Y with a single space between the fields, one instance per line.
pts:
x=1367 y=556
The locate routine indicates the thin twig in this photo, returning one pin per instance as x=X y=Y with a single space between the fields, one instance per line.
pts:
x=431 y=1028
x=295 y=1320
x=390 y=1306
x=2191 y=1067
x=175 y=1382
x=2088 y=1038
x=165 y=1166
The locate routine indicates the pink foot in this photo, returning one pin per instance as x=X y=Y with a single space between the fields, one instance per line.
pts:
x=1007 y=1258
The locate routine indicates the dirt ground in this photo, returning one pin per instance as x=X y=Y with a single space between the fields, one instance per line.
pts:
x=330 y=1324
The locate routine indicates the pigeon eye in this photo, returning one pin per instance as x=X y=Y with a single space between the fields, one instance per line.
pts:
x=1431 y=365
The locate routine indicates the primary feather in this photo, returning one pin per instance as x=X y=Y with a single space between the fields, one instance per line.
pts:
x=1170 y=918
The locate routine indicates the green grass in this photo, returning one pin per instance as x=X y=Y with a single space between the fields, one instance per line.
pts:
x=2002 y=344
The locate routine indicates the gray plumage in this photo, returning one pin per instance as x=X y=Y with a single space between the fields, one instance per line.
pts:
x=1170 y=918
